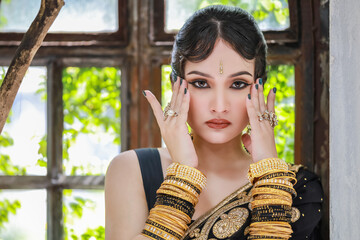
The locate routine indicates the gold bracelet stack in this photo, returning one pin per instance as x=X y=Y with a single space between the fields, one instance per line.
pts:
x=175 y=203
x=271 y=199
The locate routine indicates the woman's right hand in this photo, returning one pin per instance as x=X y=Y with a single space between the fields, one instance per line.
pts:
x=174 y=130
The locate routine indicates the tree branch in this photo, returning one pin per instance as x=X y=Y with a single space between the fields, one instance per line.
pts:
x=25 y=53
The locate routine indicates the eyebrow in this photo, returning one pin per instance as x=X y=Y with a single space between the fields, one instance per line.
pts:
x=209 y=76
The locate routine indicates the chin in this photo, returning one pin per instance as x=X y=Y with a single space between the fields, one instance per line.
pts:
x=218 y=137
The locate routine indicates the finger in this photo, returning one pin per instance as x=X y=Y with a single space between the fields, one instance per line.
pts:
x=271 y=100
x=255 y=97
x=155 y=106
x=180 y=96
x=262 y=104
x=252 y=112
x=175 y=93
x=184 y=109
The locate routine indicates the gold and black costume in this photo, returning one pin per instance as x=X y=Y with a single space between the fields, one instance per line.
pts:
x=230 y=219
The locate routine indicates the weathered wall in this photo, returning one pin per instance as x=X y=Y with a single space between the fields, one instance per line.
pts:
x=344 y=119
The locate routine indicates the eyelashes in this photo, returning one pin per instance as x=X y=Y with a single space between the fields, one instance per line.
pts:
x=199 y=84
x=203 y=84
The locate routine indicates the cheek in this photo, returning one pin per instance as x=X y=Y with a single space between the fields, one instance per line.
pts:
x=240 y=111
x=196 y=106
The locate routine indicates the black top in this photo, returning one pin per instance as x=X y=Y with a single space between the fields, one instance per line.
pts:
x=151 y=171
x=308 y=201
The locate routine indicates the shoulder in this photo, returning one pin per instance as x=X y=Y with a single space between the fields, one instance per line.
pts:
x=125 y=162
x=125 y=203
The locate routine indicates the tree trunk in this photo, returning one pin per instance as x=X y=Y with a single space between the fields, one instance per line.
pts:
x=26 y=51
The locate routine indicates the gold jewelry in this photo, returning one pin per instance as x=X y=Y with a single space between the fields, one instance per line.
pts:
x=169 y=112
x=272 y=181
x=258 y=203
x=167 y=223
x=265 y=166
x=248 y=129
x=181 y=186
x=221 y=68
x=257 y=191
x=271 y=196
x=193 y=175
x=174 y=212
x=182 y=196
x=158 y=232
x=178 y=191
x=282 y=174
x=273 y=120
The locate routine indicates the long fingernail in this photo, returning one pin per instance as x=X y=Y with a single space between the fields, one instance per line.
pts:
x=274 y=89
x=260 y=81
x=185 y=90
x=181 y=81
x=249 y=96
x=144 y=93
x=256 y=86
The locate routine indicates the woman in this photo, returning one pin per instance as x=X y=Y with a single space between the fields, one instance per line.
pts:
x=218 y=73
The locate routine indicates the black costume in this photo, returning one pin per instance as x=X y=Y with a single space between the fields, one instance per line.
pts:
x=233 y=211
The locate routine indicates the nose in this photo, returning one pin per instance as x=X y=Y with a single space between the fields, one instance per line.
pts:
x=219 y=103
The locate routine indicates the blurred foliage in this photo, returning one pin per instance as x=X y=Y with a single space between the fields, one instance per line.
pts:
x=91 y=98
x=3 y=20
x=269 y=14
x=7 y=207
x=279 y=76
x=275 y=11
x=91 y=104
x=74 y=211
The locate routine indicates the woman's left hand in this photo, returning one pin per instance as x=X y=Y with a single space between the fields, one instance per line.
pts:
x=261 y=142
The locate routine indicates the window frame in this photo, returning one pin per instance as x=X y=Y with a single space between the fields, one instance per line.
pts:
x=158 y=36
x=117 y=38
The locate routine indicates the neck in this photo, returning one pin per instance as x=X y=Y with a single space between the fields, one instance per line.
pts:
x=221 y=157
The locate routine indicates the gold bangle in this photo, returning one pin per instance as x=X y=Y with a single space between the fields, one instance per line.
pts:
x=159 y=232
x=257 y=191
x=266 y=166
x=176 y=190
x=180 y=224
x=182 y=196
x=173 y=211
x=169 y=225
x=272 y=180
x=191 y=174
x=272 y=196
x=257 y=203
x=183 y=187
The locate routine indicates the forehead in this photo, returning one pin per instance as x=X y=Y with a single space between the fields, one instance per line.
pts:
x=224 y=53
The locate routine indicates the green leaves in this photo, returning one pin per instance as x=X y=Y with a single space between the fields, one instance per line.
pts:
x=6 y=208
x=91 y=98
x=282 y=77
x=274 y=12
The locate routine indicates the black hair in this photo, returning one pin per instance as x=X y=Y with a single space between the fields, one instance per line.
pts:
x=196 y=39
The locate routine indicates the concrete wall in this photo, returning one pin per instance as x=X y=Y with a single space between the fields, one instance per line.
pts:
x=344 y=119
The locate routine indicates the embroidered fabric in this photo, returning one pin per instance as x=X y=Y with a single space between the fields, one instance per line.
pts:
x=231 y=217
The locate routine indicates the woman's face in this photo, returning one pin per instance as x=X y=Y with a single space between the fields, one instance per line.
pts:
x=219 y=86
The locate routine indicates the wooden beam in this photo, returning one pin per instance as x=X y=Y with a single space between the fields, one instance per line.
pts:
x=41 y=182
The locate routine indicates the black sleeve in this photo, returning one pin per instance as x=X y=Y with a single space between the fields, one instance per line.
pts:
x=309 y=203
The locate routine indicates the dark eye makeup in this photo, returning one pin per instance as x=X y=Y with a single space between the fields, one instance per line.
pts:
x=203 y=84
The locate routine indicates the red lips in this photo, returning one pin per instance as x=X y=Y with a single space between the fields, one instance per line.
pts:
x=218 y=123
